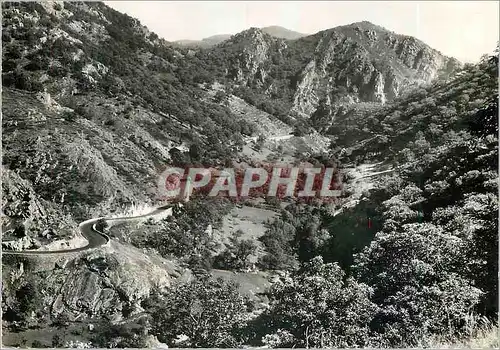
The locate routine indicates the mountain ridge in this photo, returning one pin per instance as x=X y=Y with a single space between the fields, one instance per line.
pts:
x=359 y=62
x=274 y=31
x=95 y=107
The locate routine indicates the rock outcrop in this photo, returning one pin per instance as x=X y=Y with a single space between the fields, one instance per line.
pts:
x=107 y=282
x=363 y=61
x=367 y=62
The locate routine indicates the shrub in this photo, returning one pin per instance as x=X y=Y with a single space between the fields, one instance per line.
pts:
x=203 y=313
x=236 y=255
x=314 y=307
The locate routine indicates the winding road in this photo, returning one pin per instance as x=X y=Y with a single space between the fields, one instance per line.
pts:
x=94 y=237
x=281 y=137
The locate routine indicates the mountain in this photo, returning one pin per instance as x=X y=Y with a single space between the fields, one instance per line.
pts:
x=204 y=43
x=360 y=62
x=90 y=66
x=274 y=31
x=95 y=107
x=282 y=33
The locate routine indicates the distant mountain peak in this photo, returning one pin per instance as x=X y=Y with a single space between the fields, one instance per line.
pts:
x=365 y=23
x=274 y=31
x=217 y=37
x=283 y=33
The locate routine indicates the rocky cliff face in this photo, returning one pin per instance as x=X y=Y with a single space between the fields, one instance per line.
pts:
x=363 y=61
x=29 y=221
x=109 y=282
x=252 y=50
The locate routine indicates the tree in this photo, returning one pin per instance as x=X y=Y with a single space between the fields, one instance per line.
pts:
x=236 y=255
x=195 y=152
x=101 y=225
x=310 y=238
x=315 y=307
x=57 y=341
x=278 y=241
x=127 y=335
x=485 y=121
x=38 y=344
x=220 y=97
x=28 y=297
x=480 y=212
x=300 y=130
x=21 y=80
x=203 y=313
x=416 y=270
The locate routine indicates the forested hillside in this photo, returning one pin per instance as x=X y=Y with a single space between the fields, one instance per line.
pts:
x=95 y=107
x=324 y=73
x=412 y=263
x=424 y=241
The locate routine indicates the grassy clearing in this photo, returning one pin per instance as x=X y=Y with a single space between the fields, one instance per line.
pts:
x=485 y=337
x=245 y=223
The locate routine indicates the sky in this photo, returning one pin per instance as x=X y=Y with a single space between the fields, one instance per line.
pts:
x=461 y=29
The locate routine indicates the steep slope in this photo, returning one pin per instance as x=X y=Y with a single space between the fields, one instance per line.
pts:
x=93 y=103
x=422 y=237
x=371 y=63
x=416 y=123
x=28 y=220
x=440 y=146
x=75 y=292
x=360 y=62
x=94 y=108
x=444 y=200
